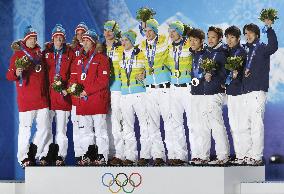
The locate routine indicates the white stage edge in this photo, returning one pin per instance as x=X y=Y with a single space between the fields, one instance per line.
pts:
x=262 y=188
x=155 y=180
x=12 y=187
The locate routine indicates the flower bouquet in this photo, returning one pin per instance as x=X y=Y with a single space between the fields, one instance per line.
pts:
x=144 y=13
x=23 y=63
x=234 y=63
x=208 y=65
x=57 y=84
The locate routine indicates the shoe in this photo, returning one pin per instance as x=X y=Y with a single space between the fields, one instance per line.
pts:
x=115 y=162
x=218 y=162
x=176 y=162
x=253 y=162
x=99 y=161
x=43 y=162
x=159 y=162
x=128 y=162
x=59 y=161
x=52 y=153
x=27 y=162
x=238 y=161
x=83 y=161
x=198 y=161
x=143 y=162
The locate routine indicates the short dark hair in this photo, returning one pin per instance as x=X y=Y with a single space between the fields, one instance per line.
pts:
x=196 y=33
x=234 y=31
x=253 y=28
x=217 y=30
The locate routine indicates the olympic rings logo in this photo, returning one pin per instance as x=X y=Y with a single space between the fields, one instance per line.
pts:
x=121 y=182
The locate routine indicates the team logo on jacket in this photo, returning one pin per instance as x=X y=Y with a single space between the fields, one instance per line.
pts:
x=79 y=62
x=121 y=182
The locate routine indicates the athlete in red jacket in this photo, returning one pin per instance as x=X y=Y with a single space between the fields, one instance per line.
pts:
x=91 y=69
x=58 y=59
x=77 y=46
x=32 y=97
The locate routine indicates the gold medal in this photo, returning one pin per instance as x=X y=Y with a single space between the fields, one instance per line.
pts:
x=83 y=76
x=38 y=68
x=177 y=73
x=151 y=71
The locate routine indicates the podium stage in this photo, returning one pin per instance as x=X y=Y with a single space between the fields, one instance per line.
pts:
x=140 y=180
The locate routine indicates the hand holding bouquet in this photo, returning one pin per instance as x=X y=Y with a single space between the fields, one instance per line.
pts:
x=22 y=64
x=75 y=89
x=268 y=14
x=208 y=65
x=57 y=84
x=234 y=63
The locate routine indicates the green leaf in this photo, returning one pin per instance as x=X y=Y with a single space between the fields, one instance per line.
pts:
x=208 y=65
x=144 y=13
x=269 y=13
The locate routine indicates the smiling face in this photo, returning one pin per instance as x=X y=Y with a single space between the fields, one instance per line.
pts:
x=125 y=42
x=232 y=40
x=250 y=36
x=58 y=41
x=87 y=44
x=79 y=34
x=213 y=38
x=174 y=35
x=31 y=42
x=195 y=43
x=109 y=34
x=150 y=34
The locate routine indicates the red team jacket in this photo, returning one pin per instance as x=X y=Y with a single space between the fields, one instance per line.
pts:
x=96 y=83
x=58 y=101
x=77 y=50
x=33 y=94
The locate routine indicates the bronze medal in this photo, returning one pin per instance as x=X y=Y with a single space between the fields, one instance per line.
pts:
x=177 y=73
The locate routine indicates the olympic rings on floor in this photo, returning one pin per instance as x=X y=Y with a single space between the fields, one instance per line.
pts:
x=122 y=181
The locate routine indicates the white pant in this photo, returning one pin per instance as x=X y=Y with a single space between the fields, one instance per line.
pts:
x=206 y=117
x=239 y=132
x=42 y=137
x=91 y=127
x=61 y=119
x=157 y=104
x=253 y=114
x=114 y=121
x=76 y=137
x=175 y=133
x=131 y=104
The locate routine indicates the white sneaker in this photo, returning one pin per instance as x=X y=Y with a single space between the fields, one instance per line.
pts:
x=253 y=162
x=239 y=161
x=198 y=161
x=219 y=162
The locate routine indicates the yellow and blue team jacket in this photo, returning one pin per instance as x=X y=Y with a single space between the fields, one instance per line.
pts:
x=115 y=53
x=138 y=67
x=161 y=73
x=185 y=62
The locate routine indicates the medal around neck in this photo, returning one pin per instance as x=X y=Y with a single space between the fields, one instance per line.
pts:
x=195 y=81
x=177 y=73
x=38 y=68
x=151 y=71
x=83 y=76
